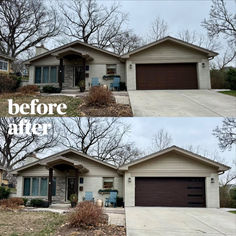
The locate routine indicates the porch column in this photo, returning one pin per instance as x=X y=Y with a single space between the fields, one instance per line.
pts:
x=61 y=73
x=50 y=181
x=76 y=181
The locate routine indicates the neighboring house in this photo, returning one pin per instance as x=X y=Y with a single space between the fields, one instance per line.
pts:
x=172 y=177
x=3 y=181
x=5 y=64
x=168 y=63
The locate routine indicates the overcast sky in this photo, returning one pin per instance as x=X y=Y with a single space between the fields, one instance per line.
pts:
x=179 y=14
x=184 y=132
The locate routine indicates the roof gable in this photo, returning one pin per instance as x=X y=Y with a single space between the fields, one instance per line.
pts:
x=174 y=40
x=188 y=154
x=60 y=155
x=77 y=42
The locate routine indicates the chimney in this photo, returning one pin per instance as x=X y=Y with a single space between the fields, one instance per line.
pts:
x=31 y=159
x=41 y=49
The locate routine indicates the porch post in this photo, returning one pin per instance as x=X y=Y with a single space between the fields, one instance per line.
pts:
x=61 y=73
x=76 y=181
x=50 y=180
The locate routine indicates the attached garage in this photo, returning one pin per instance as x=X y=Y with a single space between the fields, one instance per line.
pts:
x=166 y=76
x=170 y=192
x=168 y=63
x=173 y=177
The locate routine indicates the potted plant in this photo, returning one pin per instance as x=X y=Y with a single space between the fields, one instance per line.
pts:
x=82 y=85
x=73 y=200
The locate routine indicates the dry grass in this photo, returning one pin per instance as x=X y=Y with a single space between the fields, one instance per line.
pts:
x=19 y=98
x=29 y=223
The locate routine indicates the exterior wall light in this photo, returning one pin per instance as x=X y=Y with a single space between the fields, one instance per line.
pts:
x=212 y=180
x=203 y=65
x=129 y=179
x=130 y=66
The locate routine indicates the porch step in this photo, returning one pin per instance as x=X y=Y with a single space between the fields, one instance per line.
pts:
x=71 y=91
x=60 y=206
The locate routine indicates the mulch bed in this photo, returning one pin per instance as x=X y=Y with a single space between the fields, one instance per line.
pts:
x=101 y=230
x=113 y=110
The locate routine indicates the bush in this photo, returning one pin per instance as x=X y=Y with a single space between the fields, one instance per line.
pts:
x=7 y=84
x=218 y=79
x=51 y=89
x=11 y=203
x=28 y=89
x=86 y=214
x=39 y=203
x=231 y=78
x=4 y=192
x=99 y=96
x=25 y=201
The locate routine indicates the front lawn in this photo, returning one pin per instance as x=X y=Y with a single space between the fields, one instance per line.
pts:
x=234 y=212
x=231 y=92
x=76 y=106
x=29 y=223
x=72 y=103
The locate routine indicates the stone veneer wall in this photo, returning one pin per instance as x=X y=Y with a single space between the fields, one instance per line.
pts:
x=68 y=76
x=60 y=190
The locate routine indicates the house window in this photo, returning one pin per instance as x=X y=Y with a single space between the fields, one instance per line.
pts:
x=111 y=69
x=46 y=74
x=3 y=65
x=81 y=180
x=108 y=183
x=38 y=186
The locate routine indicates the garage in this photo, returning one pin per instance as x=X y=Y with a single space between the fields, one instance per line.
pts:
x=166 y=76
x=170 y=191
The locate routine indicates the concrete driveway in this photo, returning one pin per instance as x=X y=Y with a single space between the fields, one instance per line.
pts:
x=182 y=103
x=146 y=221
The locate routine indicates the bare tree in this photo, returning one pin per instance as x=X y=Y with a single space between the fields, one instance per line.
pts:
x=99 y=137
x=161 y=140
x=25 y=23
x=228 y=56
x=220 y=21
x=159 y=29
x=14 y=149
x=92 y=23
x=229 y=176
x=198 y=39
x=226 y=134
x=125 y=42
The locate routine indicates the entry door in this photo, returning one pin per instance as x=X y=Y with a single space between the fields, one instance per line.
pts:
x=79 y=74
x=70 y=187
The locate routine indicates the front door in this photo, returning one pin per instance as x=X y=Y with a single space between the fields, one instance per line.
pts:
x=79 y=74
x=70 y=187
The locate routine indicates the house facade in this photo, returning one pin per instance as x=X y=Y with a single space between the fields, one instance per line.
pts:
x=172 y=177
x=5 y=64
x=168 y=63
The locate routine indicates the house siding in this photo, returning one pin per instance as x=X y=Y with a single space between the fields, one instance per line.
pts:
x=173 y=165
x=169 y=52
x=93 y=180
x=97 y=67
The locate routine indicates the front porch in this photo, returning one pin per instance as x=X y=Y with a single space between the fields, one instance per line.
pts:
x=67 y=174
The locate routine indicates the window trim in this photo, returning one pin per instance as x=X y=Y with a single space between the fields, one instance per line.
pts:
x=39 y=188
x=115 y=67
x=7 y=62
x=103 y=180
x=49 y=74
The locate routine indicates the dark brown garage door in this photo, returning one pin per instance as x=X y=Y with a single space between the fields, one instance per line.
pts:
x=166 y=76
x=170 y=192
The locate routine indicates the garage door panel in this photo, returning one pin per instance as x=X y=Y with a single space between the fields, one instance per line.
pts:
x=178 y=192
x=166 y=76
